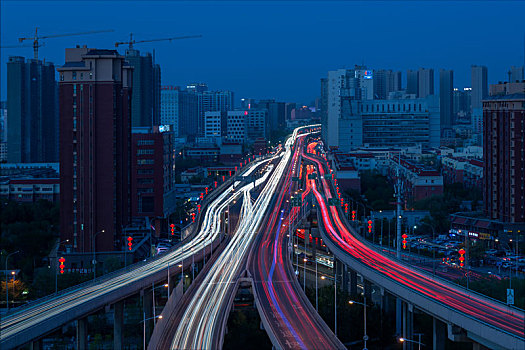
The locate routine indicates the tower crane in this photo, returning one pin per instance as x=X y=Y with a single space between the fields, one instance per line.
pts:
x=132 y=41
x=38 y=38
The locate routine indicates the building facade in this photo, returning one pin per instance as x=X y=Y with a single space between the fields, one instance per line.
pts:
x=95 y=138
x=425 y=77
x=386 y=81
x=152 y=172
x=31 y=108
x=479 y=84
x=504 y=152
x=236 y=126
x=446 y=98
x=145 y=99
x=180 y=109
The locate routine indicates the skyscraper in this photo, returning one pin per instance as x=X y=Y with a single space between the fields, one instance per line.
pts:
x=145 y=99
x=412 y=82
x=31 y=109
x=180 y=109
x=504 y=152
x=479 y=84
x=516 y=74
x=95 y=138
x=386 y=81
x=425 y=82
x=446 y=98
x=213 y=101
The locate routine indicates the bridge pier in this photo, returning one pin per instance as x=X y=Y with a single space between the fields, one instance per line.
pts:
x=82 y=325
x=478 y=346
x=439 y=334
x=345 y=278
x=367 y=289
x=35 y=345
x=353 y=283
x=147 y=307
x=408 y=325
x=118 y=325
x=399 y=316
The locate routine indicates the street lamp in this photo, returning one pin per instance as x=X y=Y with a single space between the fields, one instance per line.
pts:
x=7 y=279
x=418 y=342
x=351 y=302
x=144 y=319
x=94 y=262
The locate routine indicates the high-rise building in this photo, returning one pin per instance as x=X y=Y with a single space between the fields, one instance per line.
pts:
x=3 y=121
x=95 y=139
x=276 y=113
x=446 y=98
x=210 y=101
x=31 y=109
x=479 y=84
x=256 y=124
x=152 y=172
x=145 y=99
x=213 y=125
x=516 y=74
x=197 y=87
x=291 y=106
x=353 y=122
x=236 y=123
x=412 y=82
x=461 y=104
x=504 y=152
x=425 y=78
x=180 y=109
x=386 y=81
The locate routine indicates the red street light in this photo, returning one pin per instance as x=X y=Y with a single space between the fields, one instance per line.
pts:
x=172 y=229
x=206 y=190
x=353 y=215
x=369 y=226
x=461 y=257
x=404 y=236
x=130 y=244
x=62 y=266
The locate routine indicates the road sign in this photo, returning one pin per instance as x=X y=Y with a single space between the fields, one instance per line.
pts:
x=312 y=176
x=333 y=202
x=327 y=176
x=510 y=296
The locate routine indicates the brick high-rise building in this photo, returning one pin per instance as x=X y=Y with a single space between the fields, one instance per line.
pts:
x=504 y=152
x=152 y=172
x=95 y=137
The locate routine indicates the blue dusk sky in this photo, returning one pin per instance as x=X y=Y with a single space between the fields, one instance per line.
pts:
x=273 y=49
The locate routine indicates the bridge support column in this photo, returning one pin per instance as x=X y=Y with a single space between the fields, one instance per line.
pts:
x=478 y=346
x=147 y=305
x=118 y=325
x=345 y=279
x=82 y=325
x=367 y=289
x=408 y=325
x=439 y=334
x=399 y=317
x=353 y=283
x=35 y=345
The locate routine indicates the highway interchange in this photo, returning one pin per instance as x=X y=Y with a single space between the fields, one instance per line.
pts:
x=260 y=245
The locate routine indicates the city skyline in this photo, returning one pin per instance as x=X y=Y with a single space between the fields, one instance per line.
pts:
x=308 y=39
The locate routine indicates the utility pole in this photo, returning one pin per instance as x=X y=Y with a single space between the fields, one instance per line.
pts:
x=398 y=210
